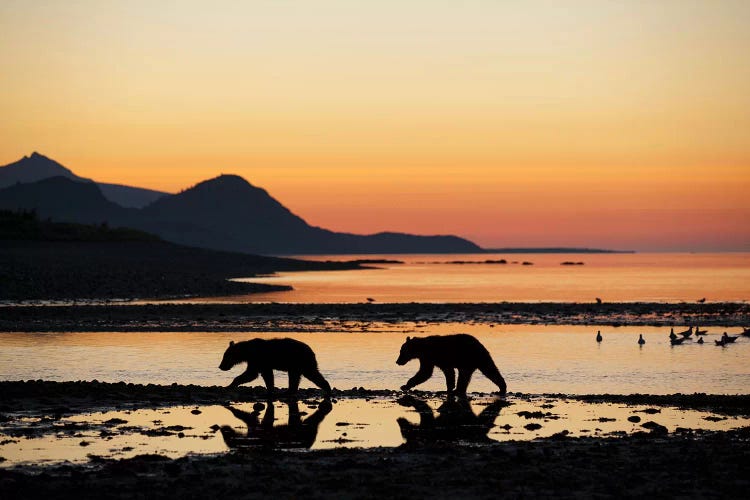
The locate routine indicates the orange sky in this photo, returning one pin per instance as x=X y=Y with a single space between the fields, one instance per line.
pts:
x=582 y=123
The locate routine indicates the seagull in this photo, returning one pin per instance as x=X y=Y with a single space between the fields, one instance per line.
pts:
x=728 y=339
x=370 y=299
x=698 y=331
x=641 y=340
x=677 y=341
x=598 y=300
x=686 y=333
x=701 y=301
x=700 y=340
x=598 y=336
x=672 y=336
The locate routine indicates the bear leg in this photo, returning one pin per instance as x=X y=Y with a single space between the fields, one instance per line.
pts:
x=464 y=377
x=492 y=373
x=294 y=378
x=268 y=379
x=450 y=378
x=317 y=378
x=246 y=376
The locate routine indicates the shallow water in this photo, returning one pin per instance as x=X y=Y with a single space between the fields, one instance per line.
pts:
x=533 y=359
x=640 y=277
x=181 y=430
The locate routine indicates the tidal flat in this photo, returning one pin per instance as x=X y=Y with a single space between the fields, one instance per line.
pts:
x=73 y=439
x=166 y=317
x=129 y=440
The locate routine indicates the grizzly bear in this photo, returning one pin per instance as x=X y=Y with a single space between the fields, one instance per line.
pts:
x=449 y=352
x=265 y=356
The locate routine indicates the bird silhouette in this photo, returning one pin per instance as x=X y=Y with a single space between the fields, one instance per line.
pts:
x=598 y=336
x=641 y=340
x=728 y=339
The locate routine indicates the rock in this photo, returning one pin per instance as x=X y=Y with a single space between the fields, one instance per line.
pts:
x=655 y=428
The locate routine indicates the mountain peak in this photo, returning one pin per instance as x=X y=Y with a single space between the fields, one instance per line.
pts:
x=225 y=184
x=33 y=168
x=228 y=179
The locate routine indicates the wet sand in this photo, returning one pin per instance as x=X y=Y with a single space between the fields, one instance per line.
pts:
x=651 y=462
x=323 y=317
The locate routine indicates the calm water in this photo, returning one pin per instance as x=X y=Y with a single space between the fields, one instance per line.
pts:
x=650 y=277
x=533 y=359
x=179 y=430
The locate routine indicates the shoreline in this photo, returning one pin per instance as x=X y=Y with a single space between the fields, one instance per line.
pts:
x=321 y=317
x=77 y=396
x=654 y=464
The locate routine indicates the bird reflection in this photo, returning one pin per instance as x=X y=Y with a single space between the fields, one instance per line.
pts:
x=455 y=421
x=261 y=433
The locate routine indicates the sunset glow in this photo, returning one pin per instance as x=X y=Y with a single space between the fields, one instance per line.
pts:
x=585 y=123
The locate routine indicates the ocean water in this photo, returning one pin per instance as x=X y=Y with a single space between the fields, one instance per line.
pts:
x=639 y=277
x=533 y=359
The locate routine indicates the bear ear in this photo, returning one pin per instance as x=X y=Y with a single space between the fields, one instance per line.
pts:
x=231 y=342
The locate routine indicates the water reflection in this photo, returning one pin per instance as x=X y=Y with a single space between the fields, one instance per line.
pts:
x=455 y=422
x=262 y=433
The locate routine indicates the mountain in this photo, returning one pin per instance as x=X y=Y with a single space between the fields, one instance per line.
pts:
x=224 y=213
x=37 y=167
x=64 y=199
x=253 y=221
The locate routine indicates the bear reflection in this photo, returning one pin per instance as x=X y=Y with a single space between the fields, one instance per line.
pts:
x=261 y=433
x=455 y=421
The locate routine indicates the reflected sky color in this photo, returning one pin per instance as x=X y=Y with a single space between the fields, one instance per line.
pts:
x=533 y=359
x=353 y=423
x=432 y=278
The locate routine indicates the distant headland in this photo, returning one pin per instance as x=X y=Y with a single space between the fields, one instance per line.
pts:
x=224 y=213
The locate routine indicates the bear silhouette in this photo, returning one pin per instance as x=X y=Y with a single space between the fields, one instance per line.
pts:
x=265 y=356
x=261 y=433
x=455 y=421
x=449 y=352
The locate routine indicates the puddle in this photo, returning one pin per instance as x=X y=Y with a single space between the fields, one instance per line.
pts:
x=313 y=424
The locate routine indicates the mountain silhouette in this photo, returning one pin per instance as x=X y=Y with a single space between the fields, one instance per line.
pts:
x=37 y=167
x=65 y=199
x=224 y=213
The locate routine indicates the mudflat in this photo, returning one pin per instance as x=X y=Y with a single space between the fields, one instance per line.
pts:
x=319 y=317
x=653 y=462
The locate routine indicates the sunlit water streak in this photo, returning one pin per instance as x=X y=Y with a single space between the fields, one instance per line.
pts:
x=534 y=359
x=647 y=277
